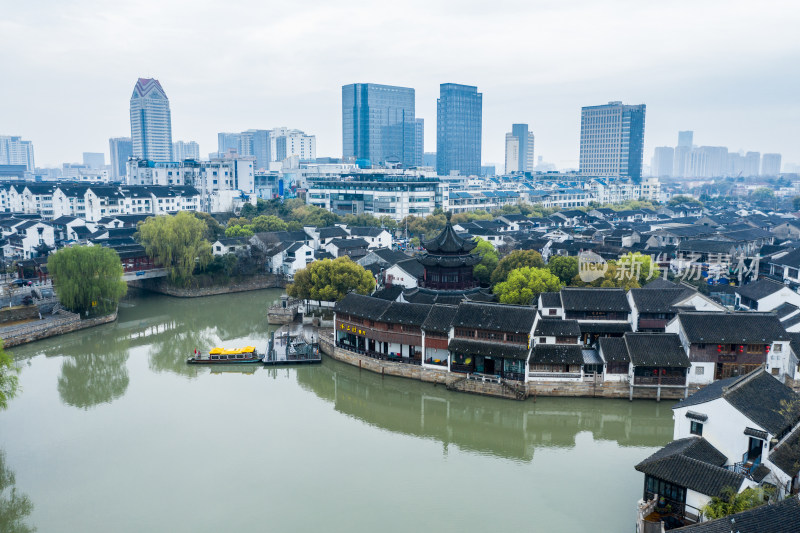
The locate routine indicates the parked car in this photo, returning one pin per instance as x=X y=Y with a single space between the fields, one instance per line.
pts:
x=23 y=282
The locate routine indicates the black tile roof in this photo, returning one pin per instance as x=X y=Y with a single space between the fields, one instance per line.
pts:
x=405 y=313
x=496 y=317
x=601 y=326
x=732 y=328
x=658 y=301
x=786 y=455
x=331 y=232
x=390 y=256
x=757 y=395
x=347 y=244
x=365 y=231
x=551 y=299
x=781 y=517
x=440 y=318
x=785 y=309
x=560 y=354
x=362 y=306
x=490 y=349
x=412 y=266
x=795 y=343
x=692 y=463
x=656 y=349
x=760 y=288
x=554 y=327
x=594 y=299
x=389 y=293
x=614 y=350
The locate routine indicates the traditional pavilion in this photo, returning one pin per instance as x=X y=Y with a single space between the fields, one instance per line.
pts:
x=448 y=262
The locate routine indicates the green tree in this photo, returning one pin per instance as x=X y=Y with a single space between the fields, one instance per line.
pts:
x=762 y=194
x=249 y=210
x=731 y=502
x=8 y=378
x=683 y=199
x=563 y=267
x=177 y=243
x=330 y=280
x=239 y=231
x=88 y=277
x=263 y=223
x=638 y=266
x=514 y=260
x=489 y=259
x=526 y=283
x=796 y=203
x=214 y=230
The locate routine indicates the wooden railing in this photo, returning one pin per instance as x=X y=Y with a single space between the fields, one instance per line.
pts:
x=660 y=380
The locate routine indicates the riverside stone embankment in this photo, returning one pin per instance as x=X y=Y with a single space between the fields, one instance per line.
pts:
x=162 y=286
x=457 y=382
x=50 y=326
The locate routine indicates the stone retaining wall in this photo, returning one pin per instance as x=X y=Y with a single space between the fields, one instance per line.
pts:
x=15 y=314
x=607 y=389
x=58 y=329
x=162 y=286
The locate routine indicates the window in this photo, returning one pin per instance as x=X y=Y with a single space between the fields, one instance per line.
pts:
x=778 y=348
x=699 y=370
x=542 y=340
x=696 y=428
x=551 y=311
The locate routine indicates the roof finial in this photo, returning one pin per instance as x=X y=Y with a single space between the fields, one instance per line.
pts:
x=447 y=215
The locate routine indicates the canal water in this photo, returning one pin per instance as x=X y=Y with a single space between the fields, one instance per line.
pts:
x=112 y=431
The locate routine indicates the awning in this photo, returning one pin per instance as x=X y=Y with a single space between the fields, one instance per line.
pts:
x=591 y=357
x=700 y=417
x=756 y=433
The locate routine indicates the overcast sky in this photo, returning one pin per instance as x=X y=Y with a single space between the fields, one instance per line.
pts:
x=727 y=69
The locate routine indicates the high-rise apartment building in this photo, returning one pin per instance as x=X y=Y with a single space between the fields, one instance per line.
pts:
x=612 y=140
x=685 y=138
x=519 y=149
x=285 y=142
x=227 y=142
x=459 y=122
x=663 y=158
x=378 y=124
x=707 y=162
x=770 y=164
x=752 y=164
x=15 y=151
x=120 y=150
x=182 y=150
x=151 y=122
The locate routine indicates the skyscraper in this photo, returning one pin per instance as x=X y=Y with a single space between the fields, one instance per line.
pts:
x=685 y=138
x=151 y=122
x=182 y=150
x=612 y=140
x=378 y=123
x=519 y=149
x=459 y=117
x=120 y=149
x=770 y=164
x=15 y=151
x=663 y=158
x=752 y=164
x=419 y=141
x=227 y=141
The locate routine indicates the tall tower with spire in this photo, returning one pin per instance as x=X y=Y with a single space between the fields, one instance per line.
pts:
x=151 y=122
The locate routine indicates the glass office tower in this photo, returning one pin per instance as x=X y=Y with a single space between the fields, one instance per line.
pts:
x=459 y=115
x=378 y=124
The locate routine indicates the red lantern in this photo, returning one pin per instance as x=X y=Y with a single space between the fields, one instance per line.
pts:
x=767 y=348
x=741 y=348
x=719 y=347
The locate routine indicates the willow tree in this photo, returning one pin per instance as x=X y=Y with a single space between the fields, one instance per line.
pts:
x=87 y=277
x=177 y=243
x=8 y=377
x=330 y=280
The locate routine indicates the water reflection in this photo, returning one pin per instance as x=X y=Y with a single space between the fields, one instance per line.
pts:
x=485 y=425
x=94 y=370
x=14 y=506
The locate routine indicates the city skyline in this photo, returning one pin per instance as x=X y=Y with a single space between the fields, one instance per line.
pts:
x=709 y=80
